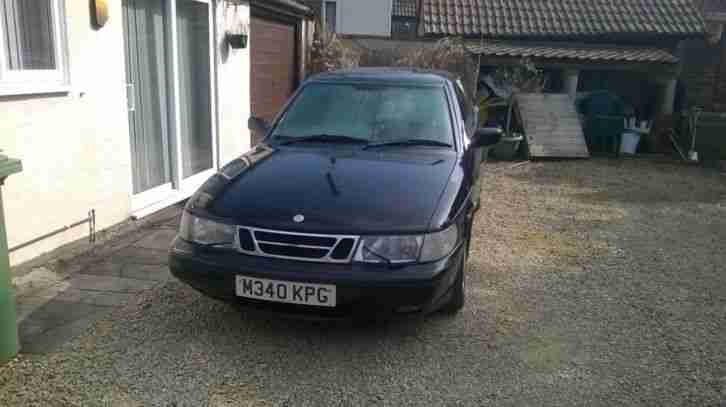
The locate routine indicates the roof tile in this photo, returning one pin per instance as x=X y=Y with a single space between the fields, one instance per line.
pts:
x=550 y=18
x=404 y=8
x=589 y=52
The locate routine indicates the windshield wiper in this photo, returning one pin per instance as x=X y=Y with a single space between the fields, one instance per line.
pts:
x=409 y=142
x=325 y=138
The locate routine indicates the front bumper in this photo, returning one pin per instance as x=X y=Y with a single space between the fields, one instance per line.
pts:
x=362 y=289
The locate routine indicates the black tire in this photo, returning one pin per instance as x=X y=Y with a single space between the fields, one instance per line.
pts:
x=458 y=295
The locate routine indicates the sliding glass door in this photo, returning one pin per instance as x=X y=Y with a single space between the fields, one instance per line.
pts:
x=195 y=105
x=170 y=77
x=147 y=75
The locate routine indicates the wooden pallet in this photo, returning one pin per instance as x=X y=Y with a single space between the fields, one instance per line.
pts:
x=552 y=127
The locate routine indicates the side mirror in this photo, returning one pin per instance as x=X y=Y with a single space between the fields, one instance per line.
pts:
x=487 y=136
x=258 y=125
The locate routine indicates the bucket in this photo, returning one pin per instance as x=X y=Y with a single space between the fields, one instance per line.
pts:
x=629 y=142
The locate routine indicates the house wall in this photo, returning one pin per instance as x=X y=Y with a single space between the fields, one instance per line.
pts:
x=233 y=74
x=75 y=147
x=369 y=17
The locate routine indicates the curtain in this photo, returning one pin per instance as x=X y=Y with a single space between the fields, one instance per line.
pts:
x=30 y=42
x=147 y=70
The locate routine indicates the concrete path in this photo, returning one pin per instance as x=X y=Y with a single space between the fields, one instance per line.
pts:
x=55 y=304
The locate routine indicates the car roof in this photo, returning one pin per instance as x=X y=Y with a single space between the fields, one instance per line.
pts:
x=386 y=75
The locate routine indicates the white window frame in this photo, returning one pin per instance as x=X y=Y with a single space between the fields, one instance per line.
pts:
x=35 y=81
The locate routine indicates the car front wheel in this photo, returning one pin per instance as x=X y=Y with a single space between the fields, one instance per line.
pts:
x=458 y=294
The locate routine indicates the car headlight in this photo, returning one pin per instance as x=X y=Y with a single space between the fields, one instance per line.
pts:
x=407 y=249
x=385 y=249
x=440 y=244
x=206 y=232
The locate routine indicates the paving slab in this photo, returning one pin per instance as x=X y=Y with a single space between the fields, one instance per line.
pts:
x=109 y=284
x=53 y=315
x=154 y=272
x=57 y=312
x=71 y=294
x=62 y=298
x=59 y=322
x=158 y=239
x=105 y=268
x=140 y=255
x=37 y=280
x=29 y=329
x=26 y=305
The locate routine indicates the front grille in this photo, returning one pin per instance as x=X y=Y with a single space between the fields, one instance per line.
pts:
x=296 y=246
x=293 y=251
x=306 y=240
x=342 y=250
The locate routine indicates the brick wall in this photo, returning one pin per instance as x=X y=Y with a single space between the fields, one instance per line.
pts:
x=700 y=76
x=704 y=65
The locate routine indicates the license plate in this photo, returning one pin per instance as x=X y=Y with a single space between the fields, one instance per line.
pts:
x=321 y=295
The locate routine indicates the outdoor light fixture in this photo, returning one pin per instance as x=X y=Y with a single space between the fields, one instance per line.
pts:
x=236 y=28
x=237 y=41
x=99 y=13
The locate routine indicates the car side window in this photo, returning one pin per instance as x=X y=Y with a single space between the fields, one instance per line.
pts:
x=464 y=105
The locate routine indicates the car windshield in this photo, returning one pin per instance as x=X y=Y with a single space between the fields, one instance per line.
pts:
x=372 y=113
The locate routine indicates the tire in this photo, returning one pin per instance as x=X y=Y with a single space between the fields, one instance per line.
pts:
x=458 y=294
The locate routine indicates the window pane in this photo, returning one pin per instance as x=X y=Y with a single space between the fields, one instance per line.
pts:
x=194 y=87
x=330 y=14
x=376 y=113
x=29 y=34
x=147 y=66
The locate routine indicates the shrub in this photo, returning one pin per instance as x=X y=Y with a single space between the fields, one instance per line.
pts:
x=449 y=54
x=328 y=53
x=523 y=77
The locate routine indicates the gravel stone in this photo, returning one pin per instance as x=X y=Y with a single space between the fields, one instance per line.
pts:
x=597 y=282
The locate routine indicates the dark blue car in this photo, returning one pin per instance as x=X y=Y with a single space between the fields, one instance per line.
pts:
x=359 y=200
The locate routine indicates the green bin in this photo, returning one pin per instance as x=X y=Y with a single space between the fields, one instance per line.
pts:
x=603 y=133
x=9 y=345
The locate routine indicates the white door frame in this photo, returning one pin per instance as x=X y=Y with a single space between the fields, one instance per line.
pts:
x=181 y=188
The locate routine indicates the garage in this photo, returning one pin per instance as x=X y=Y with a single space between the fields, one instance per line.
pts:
x=276 y=30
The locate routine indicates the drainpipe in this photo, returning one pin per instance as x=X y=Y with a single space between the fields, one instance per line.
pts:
x=667 y=95
x=9 y=344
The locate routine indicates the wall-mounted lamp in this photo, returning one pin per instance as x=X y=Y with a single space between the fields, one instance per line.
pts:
x=99 y=13
x=237 y=41
x=236 y=29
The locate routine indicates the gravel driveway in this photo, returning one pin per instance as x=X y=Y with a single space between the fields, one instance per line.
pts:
x=595 y=282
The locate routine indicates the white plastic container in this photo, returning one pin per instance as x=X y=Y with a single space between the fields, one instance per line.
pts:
x=629 y=142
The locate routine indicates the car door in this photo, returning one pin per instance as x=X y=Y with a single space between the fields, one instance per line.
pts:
x=476 y=155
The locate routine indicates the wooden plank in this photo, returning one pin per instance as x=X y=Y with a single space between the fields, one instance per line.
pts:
x=551 y=126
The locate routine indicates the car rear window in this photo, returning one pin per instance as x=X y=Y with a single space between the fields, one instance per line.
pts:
x=378 y=113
